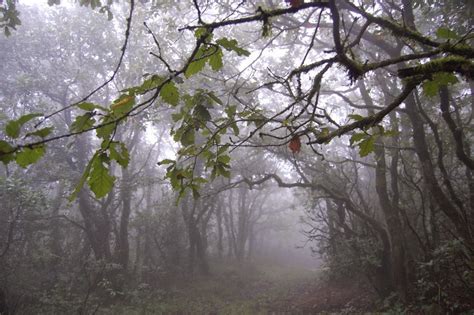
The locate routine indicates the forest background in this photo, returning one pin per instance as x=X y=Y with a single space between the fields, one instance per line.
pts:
x=146 y=144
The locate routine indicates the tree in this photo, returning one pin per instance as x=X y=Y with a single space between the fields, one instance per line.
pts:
x=454 y=49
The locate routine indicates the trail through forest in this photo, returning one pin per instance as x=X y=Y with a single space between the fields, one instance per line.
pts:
x=254 y=289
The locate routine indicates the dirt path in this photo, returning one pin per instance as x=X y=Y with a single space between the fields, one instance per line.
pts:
x=253 y=290
x=322 y=296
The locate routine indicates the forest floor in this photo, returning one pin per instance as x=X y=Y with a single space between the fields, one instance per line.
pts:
x=254 y=289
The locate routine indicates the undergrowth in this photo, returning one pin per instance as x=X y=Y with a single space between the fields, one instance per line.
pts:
x=230 y=289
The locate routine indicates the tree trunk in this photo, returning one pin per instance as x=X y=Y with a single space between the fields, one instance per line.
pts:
x=55 y=243
x=390 y=211
x=123 y=247
x=97 y=226
x=242 y=224
x=220 y=231
x=427 y=168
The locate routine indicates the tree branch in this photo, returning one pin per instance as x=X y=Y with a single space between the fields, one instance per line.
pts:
x=370 y=120
x=261 y=16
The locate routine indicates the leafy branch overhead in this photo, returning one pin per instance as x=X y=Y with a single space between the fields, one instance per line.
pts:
x=209 y=127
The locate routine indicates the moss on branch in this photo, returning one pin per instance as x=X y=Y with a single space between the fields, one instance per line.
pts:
x=456 y=64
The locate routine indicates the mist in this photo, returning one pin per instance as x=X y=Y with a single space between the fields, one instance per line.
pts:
x=225 y=157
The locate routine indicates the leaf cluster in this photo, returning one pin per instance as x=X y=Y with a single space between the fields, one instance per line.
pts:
x=365 y=140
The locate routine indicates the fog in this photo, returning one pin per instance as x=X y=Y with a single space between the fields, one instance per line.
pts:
x=226 y=157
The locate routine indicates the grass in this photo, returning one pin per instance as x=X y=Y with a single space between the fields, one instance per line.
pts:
x=230 y=289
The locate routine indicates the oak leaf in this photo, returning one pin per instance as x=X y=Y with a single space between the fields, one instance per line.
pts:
x=295 y=3
x=295 y=144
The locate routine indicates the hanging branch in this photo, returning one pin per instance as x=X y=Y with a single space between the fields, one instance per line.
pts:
x=114 y=73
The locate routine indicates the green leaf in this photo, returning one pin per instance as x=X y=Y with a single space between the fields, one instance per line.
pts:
x=90 y=107
x=44 y=132
x=83 y=122
x=151 y=83
x=258 y=119
x=203 y=32
x=166 y=161
x=5 y=147
x=446 y=33
x=28 y=156
x=188 y=151
x=86 y=106
x=214 y=173
x=232 y=45
x=324 y=132
x=215 y=60
x=195 y=67
x=213 y=97
x=222 y=171
x=245 y=114
x=199 y=32
x=199 y=60
x=208 y=156
x=188 y=137
x=366 y=146
x=357 y=137
x=223 y=149
x=202 y=113
x=235 y=129
x=123 y=105
x=200 y=180
x=430 y=88
x=26 y=118
x=83 y=179
x=231 y=110
x=118 y=152
x=100 y=181
x=174 y=179
x=176 y=116
x=391 y=133
x=195 y=190
x=355 y=117
x=6 y=154
x=12 y=129
x=170 y=94
x=379 y=129
x=106 y=131
x=225 y=159
x=445 y=78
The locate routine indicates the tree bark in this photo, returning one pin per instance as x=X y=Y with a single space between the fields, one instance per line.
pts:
x=389 y=209
x=421 y=149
